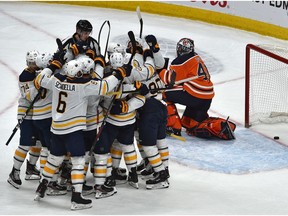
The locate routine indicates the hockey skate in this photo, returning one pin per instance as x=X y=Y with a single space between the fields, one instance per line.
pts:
x=14 y=178
x=106 y=190
x=142 y=165
x=78 y=202
x=55 y=189
x=40 y=192
x=87 y=189
x=32 y=173
x=147 y=173
x=133 y=178
x=160 y=181
x=119 y=175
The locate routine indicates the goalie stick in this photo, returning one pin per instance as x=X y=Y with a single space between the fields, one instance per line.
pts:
x=133 y=42
x=60 y=48
x=176 y=137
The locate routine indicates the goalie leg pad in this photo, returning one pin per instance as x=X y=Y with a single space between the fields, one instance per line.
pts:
x=215 y=127
x=173 y=117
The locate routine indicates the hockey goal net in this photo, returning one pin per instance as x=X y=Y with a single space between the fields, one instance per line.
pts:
x=266 y=84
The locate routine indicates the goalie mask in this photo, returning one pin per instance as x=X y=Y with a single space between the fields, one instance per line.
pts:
x=73 y=68
x=185 y=46
x=31 y=57
x=88 y=64
x=116 y=60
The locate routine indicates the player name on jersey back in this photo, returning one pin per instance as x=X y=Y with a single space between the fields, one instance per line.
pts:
x=66 y=87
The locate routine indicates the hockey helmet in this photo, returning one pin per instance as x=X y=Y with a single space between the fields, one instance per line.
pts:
x=116 y=60
x=43 y=60
x=84 y=25
x=185 y=46
x=87 y=64
x=73 y=68
x=31 y=57
x=115 y=47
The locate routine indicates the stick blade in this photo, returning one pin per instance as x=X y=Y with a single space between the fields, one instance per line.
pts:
x=138 y=12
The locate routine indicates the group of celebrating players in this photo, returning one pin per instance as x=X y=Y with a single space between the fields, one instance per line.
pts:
x=88 y=109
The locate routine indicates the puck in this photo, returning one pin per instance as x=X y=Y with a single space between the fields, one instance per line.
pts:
x=276 y=137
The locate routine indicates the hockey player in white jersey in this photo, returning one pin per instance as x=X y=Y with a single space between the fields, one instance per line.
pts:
x=28 y=132
x=94 y=116
x=120 y=125
x=69 y=106
x=152 y=126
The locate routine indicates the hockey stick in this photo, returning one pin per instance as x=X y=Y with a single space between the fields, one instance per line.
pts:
x=177 y=137
x=99 y=35
x=156 y=89
x=22 y=119
x=140 y=20
x=107 y=41
x=133 y=42
x=60 y=47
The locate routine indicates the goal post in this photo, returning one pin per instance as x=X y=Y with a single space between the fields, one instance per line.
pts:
x=266 y=84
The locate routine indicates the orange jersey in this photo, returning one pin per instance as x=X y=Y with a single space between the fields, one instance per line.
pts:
x=190 y=66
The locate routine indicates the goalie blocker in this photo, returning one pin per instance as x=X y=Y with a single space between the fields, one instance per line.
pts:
x=214 y=127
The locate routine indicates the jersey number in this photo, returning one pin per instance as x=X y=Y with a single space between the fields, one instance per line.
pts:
x=203 y=71
x=61 y=103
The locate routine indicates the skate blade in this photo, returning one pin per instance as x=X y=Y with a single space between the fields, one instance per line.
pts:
x=147 y=177
x=100 y=195
x=160 y=185
x=32 y=177
x=11 y=182
x=133 y=184
x=56 y=193
x=37 y=197
x=77 y=206
x=119 y=182
x=88 y=192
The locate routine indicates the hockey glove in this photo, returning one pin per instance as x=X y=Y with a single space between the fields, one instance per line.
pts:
x=77 y=48
x=139 y=49
x=172 y=80
x=152 y=42
x=143 y=89
x=147 y=53
x=90 y=53
x=123 y=71
x=58 y=61
x=100 y=60
x=119 y=107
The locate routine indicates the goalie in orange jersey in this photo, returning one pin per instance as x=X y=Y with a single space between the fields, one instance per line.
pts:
x=191 y=86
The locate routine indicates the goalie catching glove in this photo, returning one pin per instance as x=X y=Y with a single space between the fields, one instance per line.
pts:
x=119 y=107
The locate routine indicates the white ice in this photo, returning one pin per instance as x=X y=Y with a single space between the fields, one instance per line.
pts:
x=207 y=177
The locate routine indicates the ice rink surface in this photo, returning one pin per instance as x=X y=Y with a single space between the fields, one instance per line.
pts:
x=245 y=176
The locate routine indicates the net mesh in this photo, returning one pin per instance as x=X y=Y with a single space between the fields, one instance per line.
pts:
x=268 y=94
